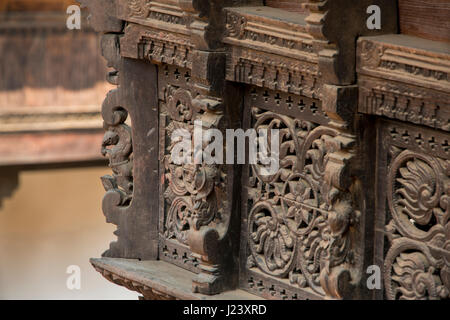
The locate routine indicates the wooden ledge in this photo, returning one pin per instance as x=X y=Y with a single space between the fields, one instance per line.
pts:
x=269 y=14
x=271 y=48
x=158 y=280
x=403 y=58
x=405 y=78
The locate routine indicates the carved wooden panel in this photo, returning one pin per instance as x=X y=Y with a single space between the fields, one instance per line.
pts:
x=195 y=198
x=176 y=207
x=300 y=229
x=413 y=226
x=306 y=231
x=131 y=200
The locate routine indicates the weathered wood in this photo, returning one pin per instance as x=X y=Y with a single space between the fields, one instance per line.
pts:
x=289 y=5
x=131 y=201
x=427 y=19
x=158 y=279
x=311 y=230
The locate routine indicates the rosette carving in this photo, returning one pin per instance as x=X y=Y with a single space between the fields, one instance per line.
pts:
x=299 y=223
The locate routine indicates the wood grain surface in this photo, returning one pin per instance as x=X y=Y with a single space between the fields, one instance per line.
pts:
x=427 y=19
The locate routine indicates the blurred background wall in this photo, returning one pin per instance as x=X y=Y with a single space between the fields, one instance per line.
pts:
x=51 y=89
x=52 y=221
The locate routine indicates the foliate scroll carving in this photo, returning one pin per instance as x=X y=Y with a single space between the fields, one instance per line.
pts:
x=301 y=220
x=192 y=197
x=196 y=211
x=417 y=265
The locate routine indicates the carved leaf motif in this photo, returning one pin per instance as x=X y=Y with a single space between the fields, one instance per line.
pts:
x=415 y=190
x=178 y=217
x=418 y=198
x=297 y=212
x=415 y=279
x=139 y=8
x=417 y=264
x=272 y=243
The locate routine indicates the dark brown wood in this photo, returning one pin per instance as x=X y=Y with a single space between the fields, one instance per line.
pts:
x=158 y=280
x=312 y=229
x=131 y=201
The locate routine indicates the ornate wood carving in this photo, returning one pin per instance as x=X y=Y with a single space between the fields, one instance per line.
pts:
x=131 y=199
x=307 y=230
x=405 y=80
x=117 y=141
x=277 y=54
x=195 y=208
x=302 y=223
x=417 y=193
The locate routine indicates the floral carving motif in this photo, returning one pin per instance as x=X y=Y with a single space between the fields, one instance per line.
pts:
x=417 y=264
x=190 y=191
x=195 y=212
x=272 y=242
x=298 y=225
x=192 y=203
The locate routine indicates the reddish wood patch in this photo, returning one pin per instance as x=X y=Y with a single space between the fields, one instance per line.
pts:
x=428 y=19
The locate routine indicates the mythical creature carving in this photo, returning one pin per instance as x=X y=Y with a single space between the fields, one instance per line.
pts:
x=116 y=146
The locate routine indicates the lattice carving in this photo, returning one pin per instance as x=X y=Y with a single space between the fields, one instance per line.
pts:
x=299 y=219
